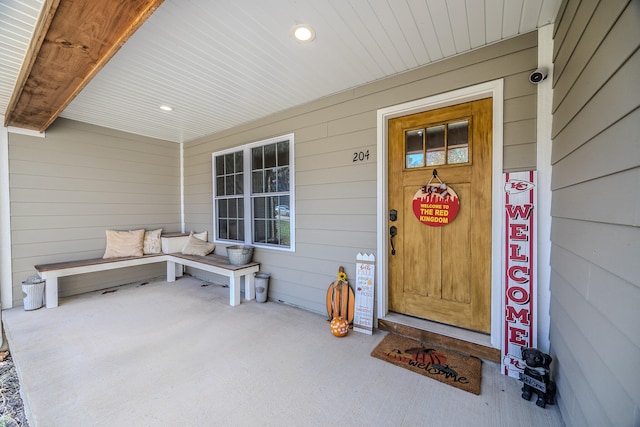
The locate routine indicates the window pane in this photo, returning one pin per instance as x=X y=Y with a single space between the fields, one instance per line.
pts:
x=223 y=208
x=283 y=153
x=238 y=184
x=229 y=162
x=240 y=207
x=284 y=232
x=270 y=160
x=458 y=155
x=259 y=231
x=229 y=174
x=283 y=222
x=233 y=208
x=271 y=222
x=223 y=230
x=257 y=182
x=458 y=142
x=230 y=219
x=231 y=229
x=414 y=149
x=220 y=186
x=282 y=208
x=282 y=179
x=219 y=165
x=260 y=207
x=239 y=166
x=435 y=145
x=270 y=180
x=256 y=159
x=229 y=184
x=236 y=229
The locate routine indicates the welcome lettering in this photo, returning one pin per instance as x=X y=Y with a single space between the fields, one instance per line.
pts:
x=519 y=267
x=445 y=370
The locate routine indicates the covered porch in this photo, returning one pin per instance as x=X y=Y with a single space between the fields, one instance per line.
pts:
x=178 y=354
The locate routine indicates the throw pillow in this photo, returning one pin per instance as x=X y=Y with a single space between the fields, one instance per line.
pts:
x=204 y=236
x=124 y=243
x=152 y=243
x=196 y=246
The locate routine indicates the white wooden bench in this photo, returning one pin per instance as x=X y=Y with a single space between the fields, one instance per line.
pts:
x=219 y=265
x=212 y=263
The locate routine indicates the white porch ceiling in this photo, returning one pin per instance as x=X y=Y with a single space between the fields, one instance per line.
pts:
x=223 y=63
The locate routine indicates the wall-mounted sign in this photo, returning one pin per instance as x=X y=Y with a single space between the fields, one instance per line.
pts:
x=520 y=275
x=436 y=204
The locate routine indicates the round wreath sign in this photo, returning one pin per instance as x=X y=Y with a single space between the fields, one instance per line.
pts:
x=436 y=205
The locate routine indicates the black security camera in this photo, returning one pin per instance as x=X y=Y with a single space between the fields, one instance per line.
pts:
x=538 y=75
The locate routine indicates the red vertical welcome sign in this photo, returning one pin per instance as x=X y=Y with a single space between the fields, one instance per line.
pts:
x=520 y=275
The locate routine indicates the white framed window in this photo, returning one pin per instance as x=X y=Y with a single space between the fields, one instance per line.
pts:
x=253 y=194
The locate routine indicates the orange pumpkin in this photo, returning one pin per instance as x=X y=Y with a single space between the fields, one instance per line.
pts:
x=339 y=326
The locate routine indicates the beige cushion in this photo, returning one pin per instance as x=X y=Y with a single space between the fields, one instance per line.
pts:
x=196 y=246
x=152 y=243
x=124 y=243
x=174 y=243
x=204 y=236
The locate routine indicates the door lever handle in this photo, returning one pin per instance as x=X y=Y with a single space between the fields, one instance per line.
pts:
x=393 y=231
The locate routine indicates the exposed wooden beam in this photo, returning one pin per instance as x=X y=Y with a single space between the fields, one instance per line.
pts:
x=42 y=26
x=74 y=40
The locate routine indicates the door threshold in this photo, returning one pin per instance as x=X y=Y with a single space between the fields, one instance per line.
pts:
x=457 y=339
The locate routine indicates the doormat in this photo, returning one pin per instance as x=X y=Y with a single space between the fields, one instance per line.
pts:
x=455 y=369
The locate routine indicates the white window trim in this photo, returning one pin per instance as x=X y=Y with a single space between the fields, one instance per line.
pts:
x=248 y=223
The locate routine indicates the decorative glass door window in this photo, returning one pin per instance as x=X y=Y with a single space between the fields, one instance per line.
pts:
x=444 y=144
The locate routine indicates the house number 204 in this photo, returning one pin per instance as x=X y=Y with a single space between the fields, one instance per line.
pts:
x=360 y=156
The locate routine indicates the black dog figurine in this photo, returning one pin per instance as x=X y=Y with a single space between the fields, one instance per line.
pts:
x=536 y=377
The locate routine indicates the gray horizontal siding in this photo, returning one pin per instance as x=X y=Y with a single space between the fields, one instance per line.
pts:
x=569 y=201
x=68 y=188
x=595 y=281
x=619 y=145
x=335 y=197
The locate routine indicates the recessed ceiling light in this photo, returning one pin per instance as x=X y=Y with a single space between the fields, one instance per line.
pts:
x=165 y=107
x=303 y=33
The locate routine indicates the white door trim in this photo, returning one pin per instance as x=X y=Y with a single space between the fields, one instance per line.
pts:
x=493 y=89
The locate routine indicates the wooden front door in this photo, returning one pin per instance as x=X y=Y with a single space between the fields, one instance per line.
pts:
x=442 y=273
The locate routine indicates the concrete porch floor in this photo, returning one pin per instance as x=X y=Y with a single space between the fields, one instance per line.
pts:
x=178 y=354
